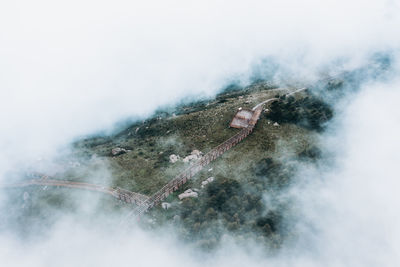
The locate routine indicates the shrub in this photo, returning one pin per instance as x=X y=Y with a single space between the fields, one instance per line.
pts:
x=309 y=112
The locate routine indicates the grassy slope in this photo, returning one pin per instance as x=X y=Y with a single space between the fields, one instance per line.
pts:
x=146 y=167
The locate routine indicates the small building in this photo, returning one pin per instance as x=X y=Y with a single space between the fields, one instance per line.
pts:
x=242 y=118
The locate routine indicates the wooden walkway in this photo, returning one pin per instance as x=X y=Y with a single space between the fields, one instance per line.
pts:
x=144 y=203
x=119 y=193
x=183 y=177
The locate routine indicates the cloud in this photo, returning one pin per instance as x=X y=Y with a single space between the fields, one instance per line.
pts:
x=76 y=67
x=356 y=214
x=73 y=68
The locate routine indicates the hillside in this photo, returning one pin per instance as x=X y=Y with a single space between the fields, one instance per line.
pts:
x=263 y=165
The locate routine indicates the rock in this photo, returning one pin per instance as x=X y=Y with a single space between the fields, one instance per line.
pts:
x=165 y=205
x=118 y=151
x=207 y=181
x=276 y=124
x=194 y=155
x=189 y=158
x=188 y=193
x=210 y=169
x=173 y=158
x=240 y=108
x=196 y=152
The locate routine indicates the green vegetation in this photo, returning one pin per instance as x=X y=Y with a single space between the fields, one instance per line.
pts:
x=235 y=206
x=146 y=167
x=309 y=112
x=255 y=168
x=259 y=167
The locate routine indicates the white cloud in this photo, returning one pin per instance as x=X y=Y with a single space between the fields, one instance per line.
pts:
x=70 y=68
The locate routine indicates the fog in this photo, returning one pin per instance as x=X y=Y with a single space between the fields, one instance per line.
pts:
x=75 y=68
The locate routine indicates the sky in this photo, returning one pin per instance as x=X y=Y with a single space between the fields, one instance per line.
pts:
x=72 y=68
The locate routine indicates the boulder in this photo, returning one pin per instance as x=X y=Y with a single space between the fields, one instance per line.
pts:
x=276 y=124
x=204 y=183
x=196 y=152
x=173 y=158
x=165 y=205
x=118 y=151
x=188 y=193
x=190 y=158
x=194 y=155
x=207 y=181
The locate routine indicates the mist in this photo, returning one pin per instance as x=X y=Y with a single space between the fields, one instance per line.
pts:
x=71 y=69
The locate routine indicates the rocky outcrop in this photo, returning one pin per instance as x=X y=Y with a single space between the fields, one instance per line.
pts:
x=195 y=155
x=173 y=158
x=165 y=205
x=188 y=193
x=118 y=151
x=207 y=181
